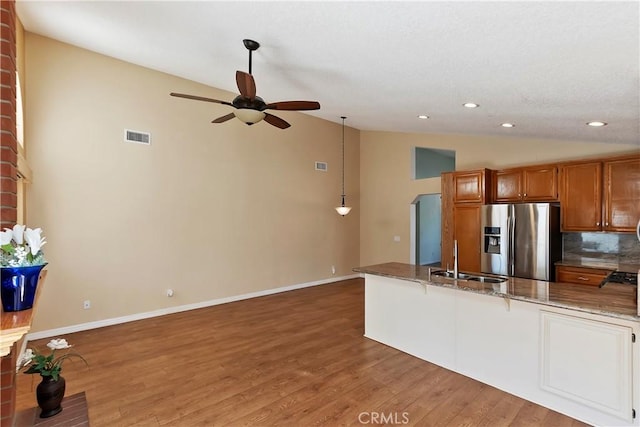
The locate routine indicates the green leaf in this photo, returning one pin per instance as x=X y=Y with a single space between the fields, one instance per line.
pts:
x=33 y=369
x=8 y=248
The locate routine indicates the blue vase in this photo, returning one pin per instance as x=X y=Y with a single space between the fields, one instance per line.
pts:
x=19 y=286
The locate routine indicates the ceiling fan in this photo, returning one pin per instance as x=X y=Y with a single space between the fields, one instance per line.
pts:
x=251 y=108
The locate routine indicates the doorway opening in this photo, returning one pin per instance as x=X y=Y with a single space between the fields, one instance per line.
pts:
x=426 y=216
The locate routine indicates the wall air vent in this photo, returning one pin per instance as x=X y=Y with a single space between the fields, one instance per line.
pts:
x=137 y=137
x=321 y=166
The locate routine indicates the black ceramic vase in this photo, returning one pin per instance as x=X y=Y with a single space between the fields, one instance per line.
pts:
x=49 y=394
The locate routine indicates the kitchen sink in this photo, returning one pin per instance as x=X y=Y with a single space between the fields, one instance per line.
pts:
x=449 y=274
x=487 y=279
x=464 y=276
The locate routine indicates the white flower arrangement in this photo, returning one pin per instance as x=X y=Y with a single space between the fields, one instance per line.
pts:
x=21 y=247
x=49 y=365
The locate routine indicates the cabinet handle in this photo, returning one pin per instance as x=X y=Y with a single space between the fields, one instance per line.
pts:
x=584 y=279
x=525 y=194
x=606 y=224
x=598 y=224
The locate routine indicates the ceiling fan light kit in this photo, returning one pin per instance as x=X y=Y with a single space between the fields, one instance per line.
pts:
x=249 y=116
x=342 y=209
x=250 y=108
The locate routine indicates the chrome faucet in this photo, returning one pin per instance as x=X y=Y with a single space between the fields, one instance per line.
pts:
x=455 y=259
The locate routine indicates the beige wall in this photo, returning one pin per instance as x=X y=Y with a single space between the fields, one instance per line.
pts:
x=210 y=211
x=387 y=188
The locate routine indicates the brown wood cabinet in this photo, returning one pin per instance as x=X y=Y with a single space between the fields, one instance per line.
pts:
x=530 y=184
x=472 y=186
x=601 y=196
x=581 y=196
x=462 y=195
x=446 y=244
x=508 y=185
x=581 y=276
x=467 y=233
x=540 y=184
x=622 y=194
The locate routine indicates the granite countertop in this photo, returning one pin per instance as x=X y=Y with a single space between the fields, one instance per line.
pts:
x=584 y=262
x=613 y=300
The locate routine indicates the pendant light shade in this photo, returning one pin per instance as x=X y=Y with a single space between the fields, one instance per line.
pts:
x=342 y=209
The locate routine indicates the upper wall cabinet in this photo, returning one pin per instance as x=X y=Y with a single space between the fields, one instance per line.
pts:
x=622 y=194
x=472 y=186
x=581 y=197
x=531 y=184
x=601 y=196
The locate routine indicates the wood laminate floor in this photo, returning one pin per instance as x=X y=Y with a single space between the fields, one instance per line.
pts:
x=297 y=358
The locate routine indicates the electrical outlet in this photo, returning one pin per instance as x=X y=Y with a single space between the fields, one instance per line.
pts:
x=87 y=304
x=333 y=269
x=169 y=293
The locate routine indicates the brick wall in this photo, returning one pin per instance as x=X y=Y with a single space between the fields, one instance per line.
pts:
x=8 y=180
x=8 y=141
x=8 y=387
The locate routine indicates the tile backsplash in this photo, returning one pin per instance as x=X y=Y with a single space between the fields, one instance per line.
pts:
x=620 y=248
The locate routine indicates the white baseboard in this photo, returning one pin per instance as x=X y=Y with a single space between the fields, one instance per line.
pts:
x=170 y=310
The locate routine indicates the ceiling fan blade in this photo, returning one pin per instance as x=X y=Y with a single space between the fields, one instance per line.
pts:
x=276 y=121
x=200 y=98
x=224 y=118
x=246 y=84
x=294 y=105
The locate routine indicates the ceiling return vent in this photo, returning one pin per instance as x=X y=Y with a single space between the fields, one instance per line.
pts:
x=137 y=137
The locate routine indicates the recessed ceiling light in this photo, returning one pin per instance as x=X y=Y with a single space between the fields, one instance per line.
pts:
x=597 y=124
x=423 y=116
x=471 y=105
x=508 y=125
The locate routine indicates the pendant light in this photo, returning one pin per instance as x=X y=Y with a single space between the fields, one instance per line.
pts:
x=342 y=209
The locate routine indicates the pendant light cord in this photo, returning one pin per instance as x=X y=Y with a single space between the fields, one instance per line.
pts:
x=343 y=117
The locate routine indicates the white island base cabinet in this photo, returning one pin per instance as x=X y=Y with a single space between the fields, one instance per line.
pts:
x=399 y=313
x=589 y=362
x=580 y=364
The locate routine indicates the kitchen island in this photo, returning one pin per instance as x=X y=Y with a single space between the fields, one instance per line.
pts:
x=566 y=347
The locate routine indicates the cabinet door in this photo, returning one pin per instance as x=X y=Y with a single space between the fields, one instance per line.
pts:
x=467 y=233
x=446 y=252
x=508 y=185
x=468 y=187
x=622 y=194
x=588 y=362
x=540 y=184
x=581 y=197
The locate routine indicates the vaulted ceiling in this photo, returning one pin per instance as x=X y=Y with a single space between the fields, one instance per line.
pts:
x=547 y=67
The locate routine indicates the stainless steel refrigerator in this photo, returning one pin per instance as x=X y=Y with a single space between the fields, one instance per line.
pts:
x=521 y=240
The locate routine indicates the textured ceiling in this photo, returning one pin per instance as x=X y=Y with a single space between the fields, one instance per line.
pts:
x=549 y=67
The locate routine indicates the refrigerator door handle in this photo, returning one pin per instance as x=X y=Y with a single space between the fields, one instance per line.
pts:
x=512 y=246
